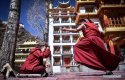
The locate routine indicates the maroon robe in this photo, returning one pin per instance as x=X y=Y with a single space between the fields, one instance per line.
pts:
x=91 y=52
x=34 y=62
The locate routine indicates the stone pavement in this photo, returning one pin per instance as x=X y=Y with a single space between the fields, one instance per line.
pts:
x=118 y=75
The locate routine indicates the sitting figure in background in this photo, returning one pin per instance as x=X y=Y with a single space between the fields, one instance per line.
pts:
x=34 y=62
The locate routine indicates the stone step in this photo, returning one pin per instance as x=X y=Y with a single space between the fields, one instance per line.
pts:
x=121 y=66
x=118 y=75
x=28 y=75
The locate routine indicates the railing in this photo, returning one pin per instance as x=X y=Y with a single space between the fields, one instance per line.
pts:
x=55 y=32
x=74 y=40
x=65 y=21
x=66 y=41
x=117 y=22
x=56 y=21
x=56 y=61
x=66 y=52
x=72 y=21
x=22 y=51
x=65 y=31
x=57 y=52
x=56 y=41
x=116 y=25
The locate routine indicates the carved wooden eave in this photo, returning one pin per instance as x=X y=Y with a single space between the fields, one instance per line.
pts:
x=110 y=7
x=64 y=4
x=80 y=16
x=81 y=3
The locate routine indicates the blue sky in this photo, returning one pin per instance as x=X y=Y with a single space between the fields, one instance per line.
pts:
x=25 y=4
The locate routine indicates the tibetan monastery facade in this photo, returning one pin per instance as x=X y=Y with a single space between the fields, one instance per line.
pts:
x=109 y=16
x=61 y=42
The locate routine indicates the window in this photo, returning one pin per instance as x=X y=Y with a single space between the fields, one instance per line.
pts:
x=56 y=61
x=82 y=9
x=64 y=13
x=65 y=19
x=66 y=49
x=56 y=39
x=66 y=39
x=56 y=20
x=75 y=37
x=67 y=60
x=65 y=31
x=57 y=50
x=90 y=9
x=56 y=30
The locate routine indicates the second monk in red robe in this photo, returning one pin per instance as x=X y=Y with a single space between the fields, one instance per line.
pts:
x=90 y=50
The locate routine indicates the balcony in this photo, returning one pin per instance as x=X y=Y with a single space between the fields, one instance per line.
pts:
x=56 y=30
x=57 y=50
x=111 y=7
x=84 y=10
x=56 y=61
x=65 y=21
x=116 y=25
x=24 y=51
x=66 y=50
x=67 y=60
x=64 y=12
x=115 y=29
x=56 y=21
x=80 y=3
x=56 y=39
x=20 y=56
x=73 y=19
x=100 y=8
x=75 y=37
x=66 y=39
x=65 y=31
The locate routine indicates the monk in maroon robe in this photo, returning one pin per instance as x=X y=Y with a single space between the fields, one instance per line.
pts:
x=90 y=50
x=34 y=62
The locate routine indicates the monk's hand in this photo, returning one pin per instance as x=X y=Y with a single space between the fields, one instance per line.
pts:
x=48 y=65
x=64 y=29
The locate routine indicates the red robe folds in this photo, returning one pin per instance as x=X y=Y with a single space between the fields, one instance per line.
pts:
x=34 y=62
x=91 y=52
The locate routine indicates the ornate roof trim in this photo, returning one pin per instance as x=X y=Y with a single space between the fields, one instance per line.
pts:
x=64 y=4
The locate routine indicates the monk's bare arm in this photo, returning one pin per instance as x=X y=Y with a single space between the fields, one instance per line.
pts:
x=74 y=30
